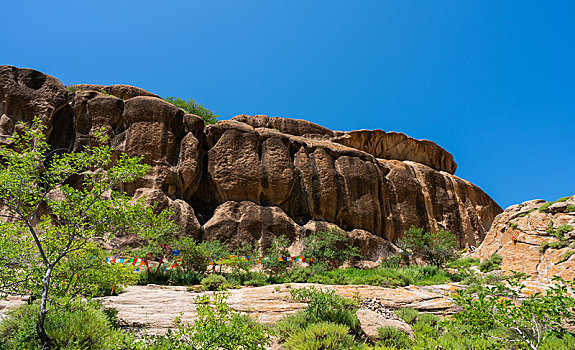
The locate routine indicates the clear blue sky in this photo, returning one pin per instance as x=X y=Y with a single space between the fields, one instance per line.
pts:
x=493 y=82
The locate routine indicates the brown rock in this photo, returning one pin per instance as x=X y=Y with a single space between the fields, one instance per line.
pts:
x=398 y=146
x=518 y=236
x=25 y=93
x=246 y=222
x=254 y=177
x=370 y=321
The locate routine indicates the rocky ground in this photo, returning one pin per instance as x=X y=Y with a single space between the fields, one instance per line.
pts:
x=155 y=307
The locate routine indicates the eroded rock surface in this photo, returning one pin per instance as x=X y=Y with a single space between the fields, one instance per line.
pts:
x=156 y=307
x=528 y=240
x=254 y=177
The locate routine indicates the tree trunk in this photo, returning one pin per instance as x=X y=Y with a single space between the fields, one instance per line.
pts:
x=44 y=338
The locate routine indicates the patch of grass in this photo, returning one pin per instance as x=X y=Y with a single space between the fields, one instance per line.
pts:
x=513 y=225
x=394 y=338
x=544 y=207
x=491 y=264
x=407 y=314
x=526 y=213
x=175 y=277
x=463 y=263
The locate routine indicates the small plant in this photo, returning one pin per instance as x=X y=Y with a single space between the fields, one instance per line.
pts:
x=513 y=225
x=491 y=264
x=321 y=336
x=192 y=107
x=463 y=263
x=213 y=282
x=407 y=314
x=393 y=337
x=72 y=89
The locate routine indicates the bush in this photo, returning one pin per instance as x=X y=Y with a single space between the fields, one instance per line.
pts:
x=177 y=277
x=393 y=337
x=291 y=324
x=463 y=263
x=75 y=326
x=213 y=282
x=491 y=264
x=256 y=280
x=436 y=248
x=326 y=306
x=321 y=336
x=278 y=249
x=192 y=107
x=545 y=206
x=407 y=314
x=331 y=247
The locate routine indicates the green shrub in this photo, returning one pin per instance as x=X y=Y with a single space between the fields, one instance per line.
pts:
x=391 y=261
x=75 y=326
x=463 y=263
x=321 y=336
x=256 y=280
x=297 y=274
x=436 y=248
x=326 y=306
x=213 y=282
x=570 y=208
x=331 y=247
x=407 y=314
x=428 y=319
x=491 y=264
x=291 y=324
x=177 y=277
x=192 y=107
x=393 y=337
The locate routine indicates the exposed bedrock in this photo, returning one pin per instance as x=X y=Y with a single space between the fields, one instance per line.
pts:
x=250 y=179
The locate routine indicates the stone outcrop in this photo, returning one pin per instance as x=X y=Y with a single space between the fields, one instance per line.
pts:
x=535 y=237
x=252 y=178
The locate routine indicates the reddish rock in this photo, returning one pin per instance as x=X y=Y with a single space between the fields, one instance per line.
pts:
x=522 y=236
x=254 y=177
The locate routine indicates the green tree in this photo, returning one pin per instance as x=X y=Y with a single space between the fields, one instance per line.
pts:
x=330 y=247
x=192 y=107
x=57 y=209
x=436 y=248
x=279 y=248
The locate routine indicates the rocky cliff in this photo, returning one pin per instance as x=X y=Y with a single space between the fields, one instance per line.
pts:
x=535 y=237
x=252 y=178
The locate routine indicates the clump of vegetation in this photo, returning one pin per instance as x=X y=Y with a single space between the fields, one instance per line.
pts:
x=463 y=263
x=331 y=247
x=393 y=338
x=545 y=207
x=491 y=264
x=213 y=282
x=407 y=314
x=74 y=325
x=436 y=248
x=321 y=336
x=513 y=225
x=192 y=107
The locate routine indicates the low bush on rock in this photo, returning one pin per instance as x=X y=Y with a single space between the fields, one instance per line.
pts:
x=491 y=264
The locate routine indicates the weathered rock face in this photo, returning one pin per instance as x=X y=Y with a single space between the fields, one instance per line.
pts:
x=540 y=243
x=254 y=177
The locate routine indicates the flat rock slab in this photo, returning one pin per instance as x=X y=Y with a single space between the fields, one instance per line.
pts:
x=157 y=307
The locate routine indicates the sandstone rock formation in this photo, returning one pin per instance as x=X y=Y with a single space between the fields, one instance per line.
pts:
x=254 y=177
x=535 y=237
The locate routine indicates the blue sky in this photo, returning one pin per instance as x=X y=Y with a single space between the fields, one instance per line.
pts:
x=493 y=82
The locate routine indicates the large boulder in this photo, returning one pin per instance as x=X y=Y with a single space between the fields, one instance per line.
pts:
x=253 y=178
x=535 y=238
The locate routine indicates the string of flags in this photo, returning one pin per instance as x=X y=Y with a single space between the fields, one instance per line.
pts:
x=137 y=262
